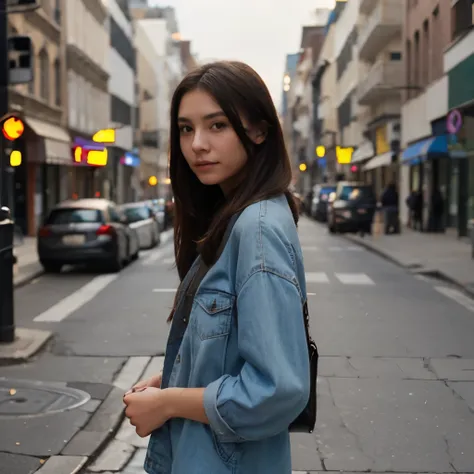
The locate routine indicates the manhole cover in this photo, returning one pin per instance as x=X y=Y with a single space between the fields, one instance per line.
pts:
x=26 y=398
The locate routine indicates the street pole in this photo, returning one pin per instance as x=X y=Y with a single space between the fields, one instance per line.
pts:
x=4 y=71
x=7 y=323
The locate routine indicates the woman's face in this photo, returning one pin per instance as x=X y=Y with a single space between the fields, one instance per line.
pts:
x=209 y=143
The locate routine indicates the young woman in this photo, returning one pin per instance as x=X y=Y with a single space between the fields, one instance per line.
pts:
x=236 y=371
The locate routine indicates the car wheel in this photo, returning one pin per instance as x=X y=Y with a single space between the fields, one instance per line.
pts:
x=117 y=264
x=51 y=267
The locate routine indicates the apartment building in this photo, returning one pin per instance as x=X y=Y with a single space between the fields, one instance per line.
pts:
x=459 y=69
x=147 y=134
x=381 y=81
x=42 y=179
x=425 y=161
x=121 y=180
x=87 y=50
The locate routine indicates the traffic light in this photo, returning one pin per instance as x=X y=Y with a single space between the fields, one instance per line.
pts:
x=15 y=158
x=12 y=128
x=303 y=167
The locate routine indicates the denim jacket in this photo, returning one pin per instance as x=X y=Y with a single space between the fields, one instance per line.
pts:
x=245 y=344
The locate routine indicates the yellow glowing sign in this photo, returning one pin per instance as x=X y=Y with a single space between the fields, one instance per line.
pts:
x=320 y=151
x=78 y=154
x=104 y=136
x=303 y=167
x=97 y=157
x=152 y=181
x=13 y=128
x=344 y=155
x=15 y=158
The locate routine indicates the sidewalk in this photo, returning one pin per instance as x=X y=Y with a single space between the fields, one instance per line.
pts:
x=442 y=255
x=27 y=267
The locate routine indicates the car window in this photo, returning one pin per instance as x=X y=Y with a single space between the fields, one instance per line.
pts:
x=325 y=192
x=114 y=215
x=356 y=193
x=74 y=216
x=136 y=214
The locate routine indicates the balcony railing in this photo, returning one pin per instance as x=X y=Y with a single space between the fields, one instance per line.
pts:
x=382 y=25
x=384 y=79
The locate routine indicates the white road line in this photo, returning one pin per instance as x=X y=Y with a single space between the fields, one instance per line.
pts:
x=316 y=277
x=335 y=249
x=166 y=236
x=164 y=290
x=309 y=249
x=73 y=302
x=354 y=279
x=457 y=296
x=169 y=261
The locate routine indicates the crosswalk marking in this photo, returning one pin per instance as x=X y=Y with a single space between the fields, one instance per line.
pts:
x=312 y=248
x=164 y=290
x=316 y=277
x=354 y=279
x=457 y=296
x=168 y=261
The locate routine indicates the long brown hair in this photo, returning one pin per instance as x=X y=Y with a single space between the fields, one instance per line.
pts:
x=201 y=212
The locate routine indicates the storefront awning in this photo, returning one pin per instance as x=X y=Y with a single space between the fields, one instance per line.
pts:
x=364 y=152
x=57 y=148
x=385 y=159
x=419 y=151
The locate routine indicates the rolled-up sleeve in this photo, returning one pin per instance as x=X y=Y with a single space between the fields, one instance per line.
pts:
x=273 y=386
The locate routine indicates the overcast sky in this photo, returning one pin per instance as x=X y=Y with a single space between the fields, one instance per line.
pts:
x=258 y=32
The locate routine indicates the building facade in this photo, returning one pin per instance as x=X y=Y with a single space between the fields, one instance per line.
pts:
x=378 y=94
x=42 y=179
x=121 y=176
x=87 y=51
x=459 y=70
x=148 y=135
x=425 y=161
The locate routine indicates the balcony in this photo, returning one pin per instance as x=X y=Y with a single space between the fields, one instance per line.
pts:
x=384 y=23
x=384 y=80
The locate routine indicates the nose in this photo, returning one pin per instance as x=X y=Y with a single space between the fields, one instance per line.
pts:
x=200 y=142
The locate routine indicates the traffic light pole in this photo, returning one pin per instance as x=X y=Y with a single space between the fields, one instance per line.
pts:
x=7 y=319
x=4 y=71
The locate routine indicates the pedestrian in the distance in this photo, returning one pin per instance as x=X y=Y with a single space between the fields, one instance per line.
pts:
x=236 y=371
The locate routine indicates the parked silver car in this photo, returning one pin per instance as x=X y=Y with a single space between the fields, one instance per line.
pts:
x=141 y=217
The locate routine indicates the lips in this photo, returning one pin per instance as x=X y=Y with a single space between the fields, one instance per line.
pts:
x=205 y=163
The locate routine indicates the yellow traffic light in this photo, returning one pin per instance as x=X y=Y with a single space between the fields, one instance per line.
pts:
x=303 y=167
x=104 y=136
x=13 y=128
x=320 y=151
x=15 y=158
x=152 y=180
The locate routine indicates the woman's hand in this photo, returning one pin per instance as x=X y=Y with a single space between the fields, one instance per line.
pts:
x=152 y=382
x=147 y=409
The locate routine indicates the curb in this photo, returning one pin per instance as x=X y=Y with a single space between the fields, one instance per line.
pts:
x=17 y=353
x=420 y=271
x=24 y=280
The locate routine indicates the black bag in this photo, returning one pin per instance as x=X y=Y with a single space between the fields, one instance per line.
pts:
x=306 y=421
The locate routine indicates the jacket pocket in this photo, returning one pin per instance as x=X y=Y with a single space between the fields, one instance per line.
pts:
x=226 y=451
x=213 y=314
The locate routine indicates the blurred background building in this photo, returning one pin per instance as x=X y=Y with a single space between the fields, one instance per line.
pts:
x=391 y=101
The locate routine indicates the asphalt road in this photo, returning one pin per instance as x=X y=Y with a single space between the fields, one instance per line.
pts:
x=396 y=386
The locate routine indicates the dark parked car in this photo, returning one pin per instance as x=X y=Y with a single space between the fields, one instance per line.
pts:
x=86 y=231
x=352 y=208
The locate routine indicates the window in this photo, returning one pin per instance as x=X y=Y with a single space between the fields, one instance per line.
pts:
x=416 y=59
x=114 y=215
x=120 y=112
x=74 y=216
x=462 y=17
x=57 y=12
x=44 y=74
x=57 y=82
x=426 y=47
x=408 y=70
x=122 y=44
x=395 y=56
